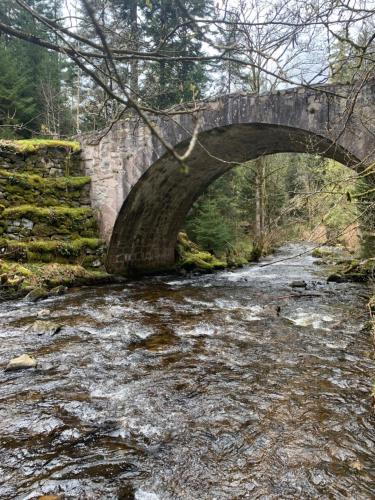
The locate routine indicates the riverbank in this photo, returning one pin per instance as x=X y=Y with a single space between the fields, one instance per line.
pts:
x=39 y=280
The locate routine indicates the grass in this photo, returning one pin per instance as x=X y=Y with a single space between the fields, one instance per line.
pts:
x=34 y=145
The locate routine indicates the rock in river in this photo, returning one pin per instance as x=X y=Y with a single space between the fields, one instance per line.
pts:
x=21 y=362
x=37 y=294
x=298 y=284
x=58 y=290
x=43 y=313
x=42 y=327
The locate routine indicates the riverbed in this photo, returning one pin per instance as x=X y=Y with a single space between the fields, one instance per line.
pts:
x=224 y=386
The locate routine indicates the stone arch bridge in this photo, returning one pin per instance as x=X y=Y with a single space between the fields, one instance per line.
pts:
x=142 y=194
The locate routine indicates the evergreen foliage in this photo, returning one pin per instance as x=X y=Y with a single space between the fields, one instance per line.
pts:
x=31 y=78
x=174 y=82
x=17 y=105
x=210 y=228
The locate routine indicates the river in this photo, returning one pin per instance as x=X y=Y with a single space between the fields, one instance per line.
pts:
x=225 y=386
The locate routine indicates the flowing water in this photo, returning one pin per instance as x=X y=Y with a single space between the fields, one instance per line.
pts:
x=224 y=386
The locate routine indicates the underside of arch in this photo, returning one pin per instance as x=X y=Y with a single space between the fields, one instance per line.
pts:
x=145 y=233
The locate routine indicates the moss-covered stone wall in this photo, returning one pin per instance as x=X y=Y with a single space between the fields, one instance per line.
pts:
x=45 y=209
x=57 y=222
x=19 y=189
x=46 y=158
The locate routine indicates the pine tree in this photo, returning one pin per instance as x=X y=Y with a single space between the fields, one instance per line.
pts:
x=39 y=69
x=210 y=229
x=17 y=105
x=169 y=83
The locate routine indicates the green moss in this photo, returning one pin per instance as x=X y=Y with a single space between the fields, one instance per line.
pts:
x=353 y=270
x=56 y=220
x=50 y=213
x=203 y=261
x=14 y=268
x=33 y=145
x=36 y=190
x=319 y=253
x=237 y=261
x=45 y=250
x=30 y=181
x=336 y=252
x=191 y=257
x=26 y=277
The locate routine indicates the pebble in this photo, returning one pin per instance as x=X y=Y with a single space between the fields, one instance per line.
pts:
x=44 y=327
x=21 y=362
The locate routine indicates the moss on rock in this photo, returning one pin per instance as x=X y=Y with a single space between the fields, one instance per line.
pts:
x=22 y=279
x=191 y=257
x=49 y=158
x=354 y=270
x=22 y=188
x=33 y=145
x=203 y=261
x=48 y=250
x=30 y=221
x=46 y=213
x=48 y=230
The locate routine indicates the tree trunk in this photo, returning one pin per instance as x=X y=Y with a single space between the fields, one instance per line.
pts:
x=134 y=65
x=260 y=203
x=78 y=99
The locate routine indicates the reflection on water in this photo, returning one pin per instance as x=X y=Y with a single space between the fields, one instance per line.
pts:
x=232 y=385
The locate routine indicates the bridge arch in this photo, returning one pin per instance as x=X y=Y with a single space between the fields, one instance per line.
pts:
x=145 y=232
x=143 y=196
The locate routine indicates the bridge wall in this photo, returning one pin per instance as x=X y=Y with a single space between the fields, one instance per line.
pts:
x=142 y=195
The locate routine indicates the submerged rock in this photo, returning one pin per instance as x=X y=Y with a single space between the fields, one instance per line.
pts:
x=347 y=278
x=335 y=278
x=21 y=362
x=43 y=313
x=58 y=290
x=356 y=464
x=298 y=284
x=44 y=327
x=37 y=294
